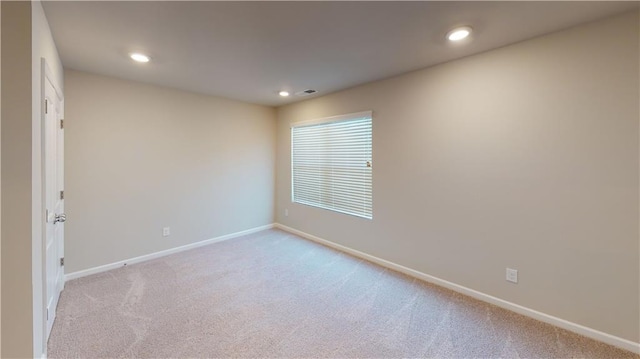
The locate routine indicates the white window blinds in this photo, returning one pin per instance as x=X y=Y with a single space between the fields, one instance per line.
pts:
x=332 y=164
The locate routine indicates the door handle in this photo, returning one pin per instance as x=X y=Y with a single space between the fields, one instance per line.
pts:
x=60 y=218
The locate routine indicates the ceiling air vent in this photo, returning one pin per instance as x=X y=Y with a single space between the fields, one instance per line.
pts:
x=306 y=92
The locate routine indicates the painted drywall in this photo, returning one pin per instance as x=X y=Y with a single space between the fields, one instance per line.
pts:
x=523 y=157
x=43 y=47
x=17 y=325
x=0 y=180
x=139 y=158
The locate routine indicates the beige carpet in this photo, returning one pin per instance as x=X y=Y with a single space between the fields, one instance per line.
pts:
x=273 y=294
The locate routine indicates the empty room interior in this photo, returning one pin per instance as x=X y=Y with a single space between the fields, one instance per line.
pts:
x=320 y=179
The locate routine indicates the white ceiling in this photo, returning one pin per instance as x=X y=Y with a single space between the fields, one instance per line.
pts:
x=250 y=50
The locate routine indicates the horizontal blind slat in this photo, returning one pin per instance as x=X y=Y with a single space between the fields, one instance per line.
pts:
x=331 y=166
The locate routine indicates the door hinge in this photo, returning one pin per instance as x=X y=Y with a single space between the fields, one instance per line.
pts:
x=61 y=194
x=61 y=124
x=46 y=106
x=62 y=262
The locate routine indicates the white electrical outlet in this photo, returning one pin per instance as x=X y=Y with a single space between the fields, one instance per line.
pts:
x=286 y=212
x=512 y=275
x=166 y=231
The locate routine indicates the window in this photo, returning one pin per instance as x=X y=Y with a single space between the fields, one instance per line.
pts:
x=331 y=164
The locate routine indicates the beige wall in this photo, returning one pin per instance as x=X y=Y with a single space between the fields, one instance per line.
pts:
x=0 y=180
x=140 y=158
x=17 y=325
x=523 y=157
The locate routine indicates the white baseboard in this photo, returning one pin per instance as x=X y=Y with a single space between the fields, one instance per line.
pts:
x=147 y=257
x=558 y=322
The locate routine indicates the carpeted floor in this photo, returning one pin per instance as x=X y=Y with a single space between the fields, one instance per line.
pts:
x=272 y=294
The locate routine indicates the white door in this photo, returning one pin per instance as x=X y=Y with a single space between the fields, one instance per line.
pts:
x=54 y=197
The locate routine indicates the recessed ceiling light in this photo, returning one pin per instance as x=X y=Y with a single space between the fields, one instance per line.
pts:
x=459 y=33
x=284 y=93
x=138 y=57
